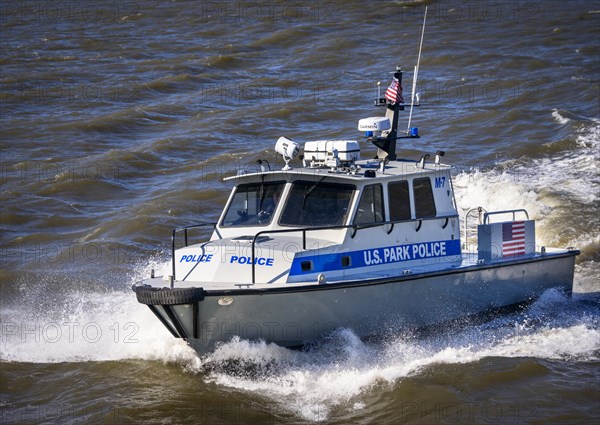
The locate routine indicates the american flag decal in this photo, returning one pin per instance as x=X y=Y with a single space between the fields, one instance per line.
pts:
x=513 y=238
x=394 y=92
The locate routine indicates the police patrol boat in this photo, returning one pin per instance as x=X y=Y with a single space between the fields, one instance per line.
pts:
x=337 y=241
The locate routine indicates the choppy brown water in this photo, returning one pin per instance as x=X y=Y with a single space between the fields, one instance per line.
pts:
x=119 y=120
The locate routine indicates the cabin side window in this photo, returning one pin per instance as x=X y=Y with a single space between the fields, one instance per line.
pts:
x=370 y=207
x=424 y=202
x=317 y=204
x=253 y=204
x=399 y=199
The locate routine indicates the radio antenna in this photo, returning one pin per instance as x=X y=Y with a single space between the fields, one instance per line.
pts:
x=416 y=74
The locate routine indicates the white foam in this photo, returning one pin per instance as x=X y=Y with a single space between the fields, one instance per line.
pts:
x=95 y=327
x=495 y=190
x=336 y=373
x=545 y=187
x=83 y=326
x=332 y=376
x=559 y=118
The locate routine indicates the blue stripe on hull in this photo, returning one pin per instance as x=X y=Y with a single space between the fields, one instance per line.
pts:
x=376 y=256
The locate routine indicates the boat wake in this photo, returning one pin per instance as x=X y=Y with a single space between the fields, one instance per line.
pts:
x=550 y=187
x=335 y=374
x=331 y=376
x=325 y=378
x=559 y=190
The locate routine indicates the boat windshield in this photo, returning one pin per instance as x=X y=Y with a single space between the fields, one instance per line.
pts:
x=317 y=204
x=253 y=204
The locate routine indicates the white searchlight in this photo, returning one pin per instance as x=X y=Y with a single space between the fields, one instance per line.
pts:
x=289 y=149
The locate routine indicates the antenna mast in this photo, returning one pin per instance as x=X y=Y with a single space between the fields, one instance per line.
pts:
x=416 y=73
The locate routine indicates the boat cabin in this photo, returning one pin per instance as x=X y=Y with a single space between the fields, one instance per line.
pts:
x=323 y=223
x=405 y=192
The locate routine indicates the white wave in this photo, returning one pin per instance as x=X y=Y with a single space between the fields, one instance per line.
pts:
x=547 y=188
x=336 y=373
x=88 y=327
x=84 y=326
x=587 y=275
x=559 y=118
x=495 y=191
x=575 y=173
x=332 y=375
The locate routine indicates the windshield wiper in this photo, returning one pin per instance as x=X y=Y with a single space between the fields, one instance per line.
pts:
x=262 y=192
x=308 y=191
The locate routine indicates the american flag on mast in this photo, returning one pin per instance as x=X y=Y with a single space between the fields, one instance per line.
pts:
x=513 y=238
x=394 y=92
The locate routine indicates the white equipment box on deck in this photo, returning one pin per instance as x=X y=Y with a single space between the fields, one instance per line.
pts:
x=347 y=150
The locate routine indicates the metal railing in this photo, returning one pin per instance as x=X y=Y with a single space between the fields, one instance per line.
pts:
x=470 y=231
x=354 y=227
x=185 y=233
x=513 y=212
x=483 y=218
